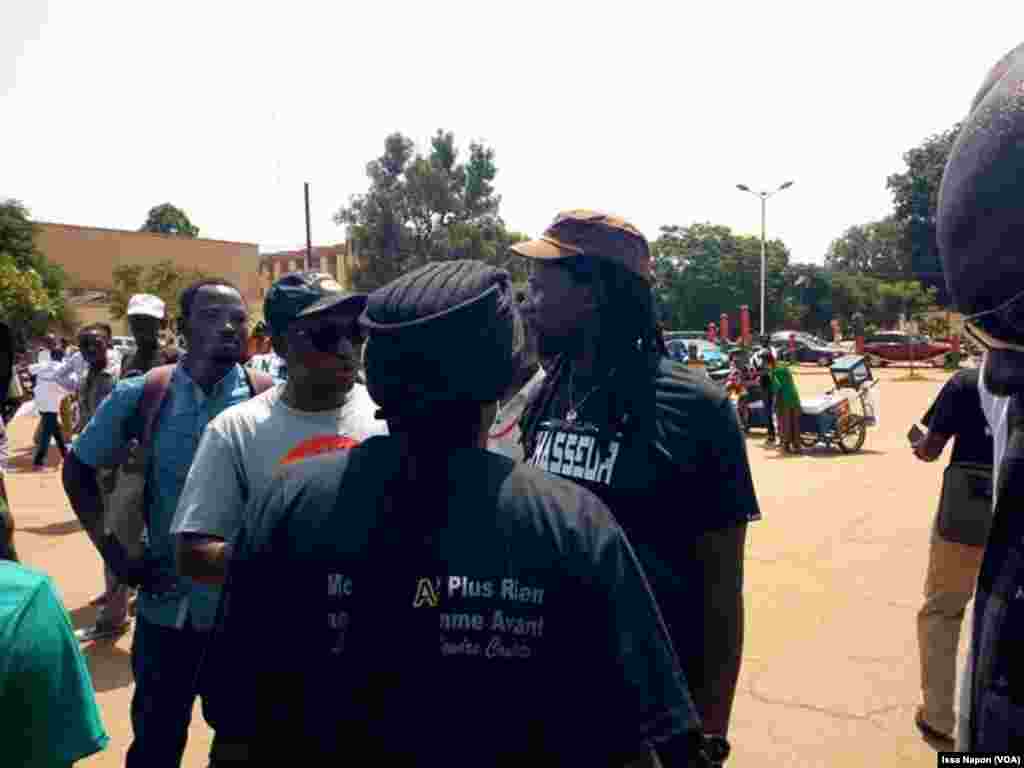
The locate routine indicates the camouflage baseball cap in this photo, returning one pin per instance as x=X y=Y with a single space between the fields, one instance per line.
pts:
x=593 y=233
x=296 y=293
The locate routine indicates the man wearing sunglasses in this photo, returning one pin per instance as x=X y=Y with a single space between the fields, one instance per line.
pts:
x=320 y=408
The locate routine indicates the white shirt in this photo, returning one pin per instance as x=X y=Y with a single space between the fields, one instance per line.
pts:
x=242 y=449
x=44 y=356
x=504 y=435
x=48 y=393
x=270 y=363
x=996 y=408
x=71 y=372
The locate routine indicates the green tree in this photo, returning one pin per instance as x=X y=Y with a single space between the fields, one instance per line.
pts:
x=877 y=248
x=903 y=298
x=165 y=219
x=915 y=194
x=24 y=303
x=808 y=297
x=427 y=207
x=854 y=292
x=163 y=279
x=26 y=267
x=703 y=270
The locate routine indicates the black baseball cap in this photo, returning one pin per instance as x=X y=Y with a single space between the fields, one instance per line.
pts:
x=304 y=294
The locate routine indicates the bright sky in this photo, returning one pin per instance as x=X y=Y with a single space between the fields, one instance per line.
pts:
x=653 y=110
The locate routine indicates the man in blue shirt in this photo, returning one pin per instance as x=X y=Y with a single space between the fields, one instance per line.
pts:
x=172 y=627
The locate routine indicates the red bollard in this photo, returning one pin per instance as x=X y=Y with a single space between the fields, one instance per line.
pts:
x=723 y=326
x=745 y=325
x=859 y=345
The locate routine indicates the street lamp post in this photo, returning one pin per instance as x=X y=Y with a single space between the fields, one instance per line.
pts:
x=764 y=199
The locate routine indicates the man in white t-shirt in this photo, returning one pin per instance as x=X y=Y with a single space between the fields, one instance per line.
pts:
x=48 y=394
x=321 y=408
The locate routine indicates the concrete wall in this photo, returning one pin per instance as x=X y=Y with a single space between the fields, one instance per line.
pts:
x=87 y=314
x=89 y=255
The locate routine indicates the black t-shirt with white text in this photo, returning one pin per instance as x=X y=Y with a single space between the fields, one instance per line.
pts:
x=512 y=625
x=957 y=413
x=691 y=477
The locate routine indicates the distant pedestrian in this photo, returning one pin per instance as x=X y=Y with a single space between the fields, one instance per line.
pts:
x=95 y=387
x=762 y=362
x=145 y=313
x=787 y=405
x=48 y=395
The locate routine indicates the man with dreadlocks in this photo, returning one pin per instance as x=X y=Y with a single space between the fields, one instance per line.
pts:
x=616 y=416
x=980 y=229
x=459 y=583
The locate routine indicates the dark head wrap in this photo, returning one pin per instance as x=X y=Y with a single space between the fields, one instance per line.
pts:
x=981 y=240
x=448 y=333
x=980 y=218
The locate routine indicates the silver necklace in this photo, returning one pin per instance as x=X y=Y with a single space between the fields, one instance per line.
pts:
x=574 y=407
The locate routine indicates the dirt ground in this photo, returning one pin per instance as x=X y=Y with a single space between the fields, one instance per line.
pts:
x=834 y=578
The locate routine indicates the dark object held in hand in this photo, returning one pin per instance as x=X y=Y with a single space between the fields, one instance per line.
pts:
x=915 y=435
x=146 y=573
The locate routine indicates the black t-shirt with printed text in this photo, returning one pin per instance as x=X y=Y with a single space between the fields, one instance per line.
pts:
x=512 y=625
x=691 y=478
x=956 y=412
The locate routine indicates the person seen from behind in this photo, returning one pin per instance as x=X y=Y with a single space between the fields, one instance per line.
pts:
x=453 y=574
x=787 y=404
x=50 y=717
x=957 y=542
x=980 y=236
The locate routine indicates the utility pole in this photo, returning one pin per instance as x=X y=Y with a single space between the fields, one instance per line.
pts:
x=309 y=239
x=764 y=267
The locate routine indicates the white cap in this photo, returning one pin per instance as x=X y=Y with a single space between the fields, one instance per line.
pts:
x=146 y=304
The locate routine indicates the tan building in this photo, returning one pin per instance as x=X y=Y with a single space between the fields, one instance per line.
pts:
x=335 y=260
x=89 y=255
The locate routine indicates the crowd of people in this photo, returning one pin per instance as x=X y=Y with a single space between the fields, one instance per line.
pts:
x=430 y=525
x=469 y=470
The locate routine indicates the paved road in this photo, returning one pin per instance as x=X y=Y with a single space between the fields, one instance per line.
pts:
x=834 y=579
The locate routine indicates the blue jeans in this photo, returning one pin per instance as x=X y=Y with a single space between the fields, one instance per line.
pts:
x=164 y=662
x=49 y=427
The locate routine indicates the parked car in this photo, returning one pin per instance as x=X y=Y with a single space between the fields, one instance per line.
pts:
x=712 y=355
x=898 y=347
x=807 y=350
x=781 y=339
x=691 y=335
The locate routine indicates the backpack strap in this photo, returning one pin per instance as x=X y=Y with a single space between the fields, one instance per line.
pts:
x=258 y=382
x=154 y=389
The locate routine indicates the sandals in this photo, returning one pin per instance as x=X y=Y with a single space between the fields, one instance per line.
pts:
x=101 y=632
